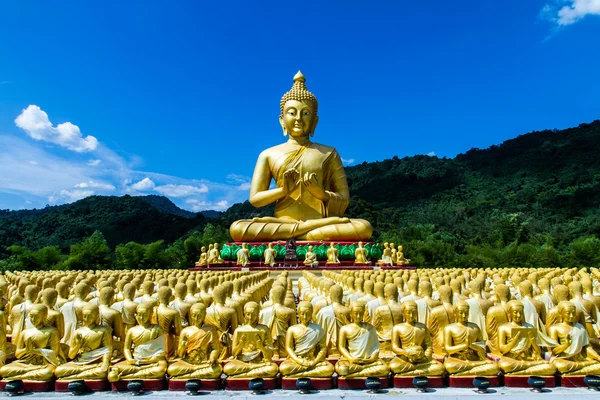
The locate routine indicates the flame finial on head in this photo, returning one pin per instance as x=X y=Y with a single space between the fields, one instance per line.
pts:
x=299 y=92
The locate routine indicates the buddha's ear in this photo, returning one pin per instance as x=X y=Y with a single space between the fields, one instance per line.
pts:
x=314 y=126
x=282 y=125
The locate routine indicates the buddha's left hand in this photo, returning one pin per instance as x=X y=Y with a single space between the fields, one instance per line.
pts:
x=311 y=182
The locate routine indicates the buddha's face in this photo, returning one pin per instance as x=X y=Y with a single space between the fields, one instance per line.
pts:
x=197 y=316
x=462 y=313
x=89 y=317
x=410 y=313
x=357 y=313
x=569 y=314
x=143 y=315
x=516 y=314
x=251 y=314
x=304 y=315
x=298 y=118
x=37 y=318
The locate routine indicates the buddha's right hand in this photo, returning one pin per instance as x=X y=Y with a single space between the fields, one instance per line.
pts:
x=290 y=178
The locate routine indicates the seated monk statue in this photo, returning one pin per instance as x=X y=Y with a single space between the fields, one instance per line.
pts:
x=311 y=192
x=278 y=318
x=37 y=350
x=332 y=254
x=203 y=260
x=310 y=258
x=199 y=349
x=359 y=348
x=252 y=348
x=574 y=355
x=517 y=342
x=465 y=346
x=91 y=351
x=413 y=347
x=306 y=348
x=145 y=350
x=400 y=259
x=386 y=316
x=360 y=255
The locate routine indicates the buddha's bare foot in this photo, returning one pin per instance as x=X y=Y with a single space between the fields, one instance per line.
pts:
x=114 y=375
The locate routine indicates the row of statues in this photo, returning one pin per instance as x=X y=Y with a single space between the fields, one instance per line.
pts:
x=123 y=325
x=390 y=257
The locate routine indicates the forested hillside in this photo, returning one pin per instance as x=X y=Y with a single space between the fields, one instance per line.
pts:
x=531 y=201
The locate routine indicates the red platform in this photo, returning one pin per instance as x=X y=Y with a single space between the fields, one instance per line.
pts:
x=207 y=384
x=407 y=382
x=318 y=383
x=521 y=381
x=242 y=383
x=32 y=386
x=467 y=381
x=572 y=381
x=95 y=385
x=359 y=383
x=149 y=384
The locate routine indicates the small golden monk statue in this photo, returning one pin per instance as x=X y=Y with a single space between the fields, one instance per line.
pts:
x=203 y=261
x=359 y=348
x=38 y=350
x=278 y=318
x=332 y=254
x=464 y=345
x=214 y=256
x=360 y=255
x=312 y=190
x=386 y=256
x=243 y=256
x=270 y=255
x=306 y=348
x=91 y=351
x=168 y=319
x=310 y=259
x=400 y=259
x=252 y=348
x=145 y=350
x=199 y=349
x=517 y=340
x=574 y=355
x=413 y=347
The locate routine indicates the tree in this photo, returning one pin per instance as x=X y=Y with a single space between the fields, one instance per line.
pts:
x=92 y=253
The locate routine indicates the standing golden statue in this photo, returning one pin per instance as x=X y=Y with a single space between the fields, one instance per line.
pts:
x=199 y=349
x=306 y=348
x=312 y=190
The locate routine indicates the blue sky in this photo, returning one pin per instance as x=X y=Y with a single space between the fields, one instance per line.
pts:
x=179 y=98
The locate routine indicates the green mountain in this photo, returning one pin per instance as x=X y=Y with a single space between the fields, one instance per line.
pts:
x=540 y=189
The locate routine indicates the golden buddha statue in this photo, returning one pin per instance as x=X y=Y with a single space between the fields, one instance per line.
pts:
x=574 y=355
x=496 y=317
x=413 y=347
x=387 y=316
x=332 y=318
x=360 y=255
x=270 y=255
x=91 y=350
x=37 y=350
x=278 y=318
x=310 y=258
x=400 y=259
x=332 y=254
x=464 y=345
x=394 y=253
x=306 y=348
x=386 y=256
x=203 y=261
x=168 y=319
x=359 y=348
x=199 y=349
x=521 y=354
x=145 y=350
x=252 y=348
x=312 y=191
x=214 y=256
x=223 y=318
x=243 y=256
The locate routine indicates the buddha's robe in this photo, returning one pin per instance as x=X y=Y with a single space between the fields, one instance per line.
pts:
x=300 y=205
x=416 y=336
x=531 y=317
x=572 y=361
x=194 y=364
x=222 y=322
x=308 y=346
x=468 y=361
x=89 y=364
x=331 y=323
x=278 y=325
x=363 y=344
x=522 y=360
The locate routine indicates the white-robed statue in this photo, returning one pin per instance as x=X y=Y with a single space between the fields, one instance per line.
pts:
x=242 y=254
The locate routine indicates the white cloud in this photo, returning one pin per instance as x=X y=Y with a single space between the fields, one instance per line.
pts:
x=69 y=196
x=144 y=184
x=181 y=190
x=348 y=161
x=32 y=162
x=95 y=185
x=197 y=205
x=242 y=181
x=431 y=153
x=94 y=163
x=567 y=12
x=35 y=122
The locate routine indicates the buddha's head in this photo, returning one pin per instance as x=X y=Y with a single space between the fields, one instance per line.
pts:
x=49 y=297
x=515 y=311
x=298 y=110
x=38 y=315
x=410 y=311
x=567 y=311
x=305 y=311
x=106 y=297
x=461 y=311
x=143 y=313
x=89 y=315
x=357 y=311
x=251 y=310
x=197 y=314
